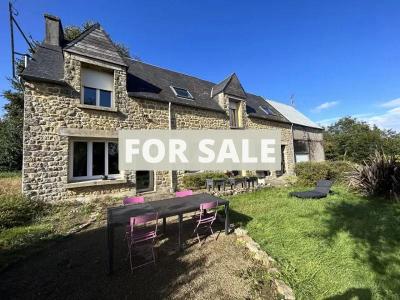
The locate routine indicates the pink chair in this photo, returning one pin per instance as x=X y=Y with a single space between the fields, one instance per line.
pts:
x=205 y=218
x=184 y=193
x=142 y=229
x=133 y=200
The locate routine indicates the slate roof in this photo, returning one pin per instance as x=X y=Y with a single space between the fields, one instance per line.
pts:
x=253 y=108
x=230 y=86
x=151 y=82
x=95 y=42
x=47 y=64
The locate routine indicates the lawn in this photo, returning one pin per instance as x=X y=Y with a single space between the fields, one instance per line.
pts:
x=340 y=247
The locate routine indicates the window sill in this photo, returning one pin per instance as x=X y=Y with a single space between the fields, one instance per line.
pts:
x=99 y=182
x=93 y=107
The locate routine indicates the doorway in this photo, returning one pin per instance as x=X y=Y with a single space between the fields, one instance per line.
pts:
x=144 y=181
x=283 y=162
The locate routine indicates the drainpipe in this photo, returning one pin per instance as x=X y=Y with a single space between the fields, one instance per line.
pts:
x=172 y=188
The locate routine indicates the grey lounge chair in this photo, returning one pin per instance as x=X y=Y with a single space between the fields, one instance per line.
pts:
x=321 y=191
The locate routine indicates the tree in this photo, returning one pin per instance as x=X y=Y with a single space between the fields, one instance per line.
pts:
x=354 y=140
x=11 y=128
x=11 y=125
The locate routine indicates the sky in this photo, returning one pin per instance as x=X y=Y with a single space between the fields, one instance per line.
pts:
x=338 y=58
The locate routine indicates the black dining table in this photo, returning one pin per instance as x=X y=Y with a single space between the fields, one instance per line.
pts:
x=177 y=206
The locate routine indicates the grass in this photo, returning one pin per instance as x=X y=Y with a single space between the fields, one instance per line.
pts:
x=340 y=247
x=50 y=223
x=10 y=174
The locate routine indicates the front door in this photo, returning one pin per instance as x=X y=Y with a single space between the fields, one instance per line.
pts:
x=144 y=181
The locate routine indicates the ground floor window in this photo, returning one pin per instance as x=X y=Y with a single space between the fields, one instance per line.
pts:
x=301 y=151
x=93 y=159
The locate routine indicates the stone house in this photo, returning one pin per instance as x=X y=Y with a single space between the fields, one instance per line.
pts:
x=79 y=93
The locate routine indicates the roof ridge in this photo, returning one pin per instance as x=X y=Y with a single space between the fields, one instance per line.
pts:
x=162 y=68
x=82 y=35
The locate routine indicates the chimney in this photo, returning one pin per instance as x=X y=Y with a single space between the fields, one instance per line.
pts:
x=54 y=30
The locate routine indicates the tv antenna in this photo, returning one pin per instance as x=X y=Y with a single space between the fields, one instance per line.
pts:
x=14 y=13
x=292 y=100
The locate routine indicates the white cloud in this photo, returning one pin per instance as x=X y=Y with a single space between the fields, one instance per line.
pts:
x=391 y=103
x=327 y=122
x=387 y=120
x=325 y=105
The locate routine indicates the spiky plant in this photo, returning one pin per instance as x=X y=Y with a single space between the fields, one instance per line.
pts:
x=377 y=176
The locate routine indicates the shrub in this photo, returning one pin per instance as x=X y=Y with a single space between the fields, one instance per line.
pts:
x=198 y=180
x=378 y=176
x=16 y=210
x=340 y=170
x=308 y=173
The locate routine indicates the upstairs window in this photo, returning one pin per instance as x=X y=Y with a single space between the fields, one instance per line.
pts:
x=267 y=110
x=181 y=92
x=97 y=88
x=233 y=114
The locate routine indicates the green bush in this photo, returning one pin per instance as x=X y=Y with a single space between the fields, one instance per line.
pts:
x=340 y=170
x=308 y=173
x=16 y=210
x=198 y=180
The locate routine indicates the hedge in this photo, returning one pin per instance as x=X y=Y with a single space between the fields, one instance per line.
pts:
x=197 y=181
x=308 y=173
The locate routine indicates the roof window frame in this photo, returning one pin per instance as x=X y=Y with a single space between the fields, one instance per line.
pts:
x=181 y=88
x=271 y=113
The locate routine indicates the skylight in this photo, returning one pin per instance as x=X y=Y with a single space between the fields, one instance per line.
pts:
x=181 y=92
x=267 y=110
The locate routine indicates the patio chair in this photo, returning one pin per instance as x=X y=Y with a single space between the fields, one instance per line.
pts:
x=205 y=218
x=142 y=229
x=184 y=193
x=321 y=191
x=133 y=200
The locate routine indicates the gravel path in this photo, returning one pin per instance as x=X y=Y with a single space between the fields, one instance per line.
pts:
x=75 y=269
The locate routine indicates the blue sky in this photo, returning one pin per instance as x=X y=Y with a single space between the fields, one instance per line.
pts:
x=338 y=58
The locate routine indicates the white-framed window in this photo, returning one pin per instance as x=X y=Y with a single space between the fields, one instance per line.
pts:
x=181 y=92
x=92 y=159
x=97 y=88
x=233 y=114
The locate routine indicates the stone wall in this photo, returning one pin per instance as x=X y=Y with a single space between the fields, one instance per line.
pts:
x=51 y=111
x=286 y=138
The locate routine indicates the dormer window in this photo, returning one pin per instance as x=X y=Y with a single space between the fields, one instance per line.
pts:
x=267 y=110
x=181 y=92
x=97 y=88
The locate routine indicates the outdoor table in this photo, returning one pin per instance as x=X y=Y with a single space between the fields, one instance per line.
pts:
x=118 y=216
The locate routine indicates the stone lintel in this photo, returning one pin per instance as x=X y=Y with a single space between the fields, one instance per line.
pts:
x=88 y=133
